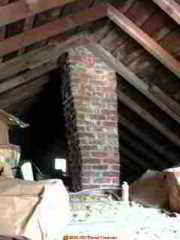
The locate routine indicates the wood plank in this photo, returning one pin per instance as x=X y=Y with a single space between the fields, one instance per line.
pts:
x=22 y=108
x=134 y=80
x=148 y=118
x=131 y=165
x=171 y=7
x=40 y=56
x=27 y=77
x=129 y=153
x=52 y=29
x=144 y=40
x=22 y=9
x=28 y=24
x=19 y=94
x=166 y=154
x=3 y=29
x=150 y=157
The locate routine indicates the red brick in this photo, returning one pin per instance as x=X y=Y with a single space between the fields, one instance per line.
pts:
x=111 y=174
x=100 y=167
x=93 y=86
x=85 y=180
x=99 y=154
x=110 y=124
x=97 y=117
x=91 y=161
x=88 y=147
x=87 y=167
x=102 y=180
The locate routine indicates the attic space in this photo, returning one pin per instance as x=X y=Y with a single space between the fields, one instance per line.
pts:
x=90 y=102
x=54 y=84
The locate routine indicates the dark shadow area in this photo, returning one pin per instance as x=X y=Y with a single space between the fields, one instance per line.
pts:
x=45 y=139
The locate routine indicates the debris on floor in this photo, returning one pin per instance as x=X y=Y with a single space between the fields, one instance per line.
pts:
x=100 y=214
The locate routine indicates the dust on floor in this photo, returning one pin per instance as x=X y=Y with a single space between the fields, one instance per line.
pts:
x=94 y=215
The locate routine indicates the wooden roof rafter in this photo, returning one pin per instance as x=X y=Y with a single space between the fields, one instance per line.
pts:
x=36 y=58
x=37 y=70
x=136 y=159
x=20 y=94
x=22 y=9
x=138 y=132
x=171 y=7
x=144 y=40
x=52 y=29
x=156 y=161
x=152 y=92
x=148 y=118
x=92 y=14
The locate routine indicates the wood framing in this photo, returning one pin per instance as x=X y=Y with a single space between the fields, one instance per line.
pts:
x=156 y=161
x=40 y=56
x=26 y=77
x=20 y=94
x=171 y=7
x=144 y=40
x=23 y=8
x=148 y=118
x=135 y=81
x=136 y=159
x=52 y=29
x=167 y=155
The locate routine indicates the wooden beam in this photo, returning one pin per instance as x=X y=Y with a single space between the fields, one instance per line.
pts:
x=20 y=94
x=144 y=40
x=52 y=29
x=136 y=159
x=130 y=164
x=138 y=132
x=171 y=7
x=40 y=56
x=3 y=29
x=152 y=92
x=22 y=108
x=149 y=118
x=27 y=8
x=27 y=76
x=150 y=157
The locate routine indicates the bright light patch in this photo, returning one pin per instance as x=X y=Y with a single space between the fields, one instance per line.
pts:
x=60 y=164
x=27 y=171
